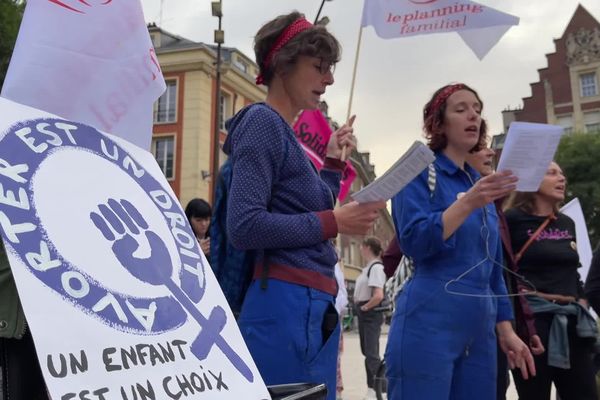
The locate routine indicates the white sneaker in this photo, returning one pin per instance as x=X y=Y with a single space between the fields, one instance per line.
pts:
x=370 y=395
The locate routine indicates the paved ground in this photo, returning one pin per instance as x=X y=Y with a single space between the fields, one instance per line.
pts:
x=353 y=370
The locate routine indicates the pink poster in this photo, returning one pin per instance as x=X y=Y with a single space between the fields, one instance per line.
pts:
x=313 y=133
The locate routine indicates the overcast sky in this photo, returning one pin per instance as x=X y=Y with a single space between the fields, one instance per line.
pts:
x=395 y=77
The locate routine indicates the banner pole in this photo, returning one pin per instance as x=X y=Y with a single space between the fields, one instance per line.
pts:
x=354 y=73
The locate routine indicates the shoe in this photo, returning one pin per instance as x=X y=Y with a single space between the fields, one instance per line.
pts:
x=370 y=395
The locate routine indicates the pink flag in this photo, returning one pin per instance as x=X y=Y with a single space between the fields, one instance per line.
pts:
x=90 y=61
x=313 y=133
x=479 y=26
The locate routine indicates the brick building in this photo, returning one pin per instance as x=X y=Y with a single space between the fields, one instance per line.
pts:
x=567 y=91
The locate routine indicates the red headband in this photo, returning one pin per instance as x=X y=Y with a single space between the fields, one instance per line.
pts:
x=443 y=96
x=299 y=25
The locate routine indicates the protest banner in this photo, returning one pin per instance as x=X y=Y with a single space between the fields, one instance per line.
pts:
x=121 y=301
x=584 y=246
x=313 y=132
x=88 y=61
x=479 y=26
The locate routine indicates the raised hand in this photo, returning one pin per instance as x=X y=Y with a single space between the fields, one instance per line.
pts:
x=122 y=224
x=342 y=141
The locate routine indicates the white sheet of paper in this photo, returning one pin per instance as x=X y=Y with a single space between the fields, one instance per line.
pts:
x=527 y=152
x=408 y=166
x=117 y=306
x=584 y=246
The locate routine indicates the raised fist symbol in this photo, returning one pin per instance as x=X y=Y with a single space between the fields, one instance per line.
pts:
x=122 y=224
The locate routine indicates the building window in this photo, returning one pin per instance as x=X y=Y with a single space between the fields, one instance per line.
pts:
x=224 y=110
x=241 y=64
x=346 y=255
x=593 y=128
x=588 y=84
x=591 y=121
x=353 y=255
x=566 y=121
x=165 y=107
x=163 y=149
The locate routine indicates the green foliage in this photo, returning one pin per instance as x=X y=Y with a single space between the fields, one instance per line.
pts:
x=578 y=155
x=11 y=12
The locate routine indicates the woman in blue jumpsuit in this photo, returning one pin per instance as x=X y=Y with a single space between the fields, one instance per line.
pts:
x=442 y=342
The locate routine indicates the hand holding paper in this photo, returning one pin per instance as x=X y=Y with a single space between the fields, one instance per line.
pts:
x=408 y=166
x=491 y=188
x=356 y=219
x=527 y=152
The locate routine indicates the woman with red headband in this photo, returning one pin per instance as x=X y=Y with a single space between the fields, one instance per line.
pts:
x=282 y=208
x=442 y=342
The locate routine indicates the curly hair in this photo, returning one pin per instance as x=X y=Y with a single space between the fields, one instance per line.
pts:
x=314 y=42
x=434 y=114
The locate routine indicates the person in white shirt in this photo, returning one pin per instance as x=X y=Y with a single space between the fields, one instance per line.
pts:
x=368 y=294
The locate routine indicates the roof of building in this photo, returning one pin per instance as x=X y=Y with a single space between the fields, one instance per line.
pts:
x=172 y=42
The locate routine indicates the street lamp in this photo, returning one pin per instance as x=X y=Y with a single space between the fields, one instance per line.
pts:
x=217 y=11
x=319 y=12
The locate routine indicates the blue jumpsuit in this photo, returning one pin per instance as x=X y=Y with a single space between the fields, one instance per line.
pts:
x=442 y=345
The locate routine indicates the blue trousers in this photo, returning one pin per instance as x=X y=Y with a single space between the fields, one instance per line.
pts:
x=289 y=331
x=441 y=346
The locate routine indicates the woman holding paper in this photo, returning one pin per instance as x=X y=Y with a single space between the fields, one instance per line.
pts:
x=442 y=342
x=280 y=207
x=545 y=244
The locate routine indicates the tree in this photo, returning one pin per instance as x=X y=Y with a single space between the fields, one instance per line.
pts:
x=11 y=13
x=578 y=157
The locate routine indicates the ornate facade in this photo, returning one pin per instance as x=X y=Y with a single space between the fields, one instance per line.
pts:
x=568 y=90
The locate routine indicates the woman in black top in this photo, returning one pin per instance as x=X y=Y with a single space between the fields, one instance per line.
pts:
x=550 y=263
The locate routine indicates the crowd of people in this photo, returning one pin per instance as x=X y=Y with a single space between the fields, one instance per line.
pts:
x=495 y=284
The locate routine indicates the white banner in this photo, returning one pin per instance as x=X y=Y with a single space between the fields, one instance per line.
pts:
x=90 y=61
x=121 y=302
x=481 y=27
x=584 y=246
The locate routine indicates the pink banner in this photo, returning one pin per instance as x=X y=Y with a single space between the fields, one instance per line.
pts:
x=313 y=133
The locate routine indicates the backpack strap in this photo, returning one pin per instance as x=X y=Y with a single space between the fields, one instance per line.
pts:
x=369 y=271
